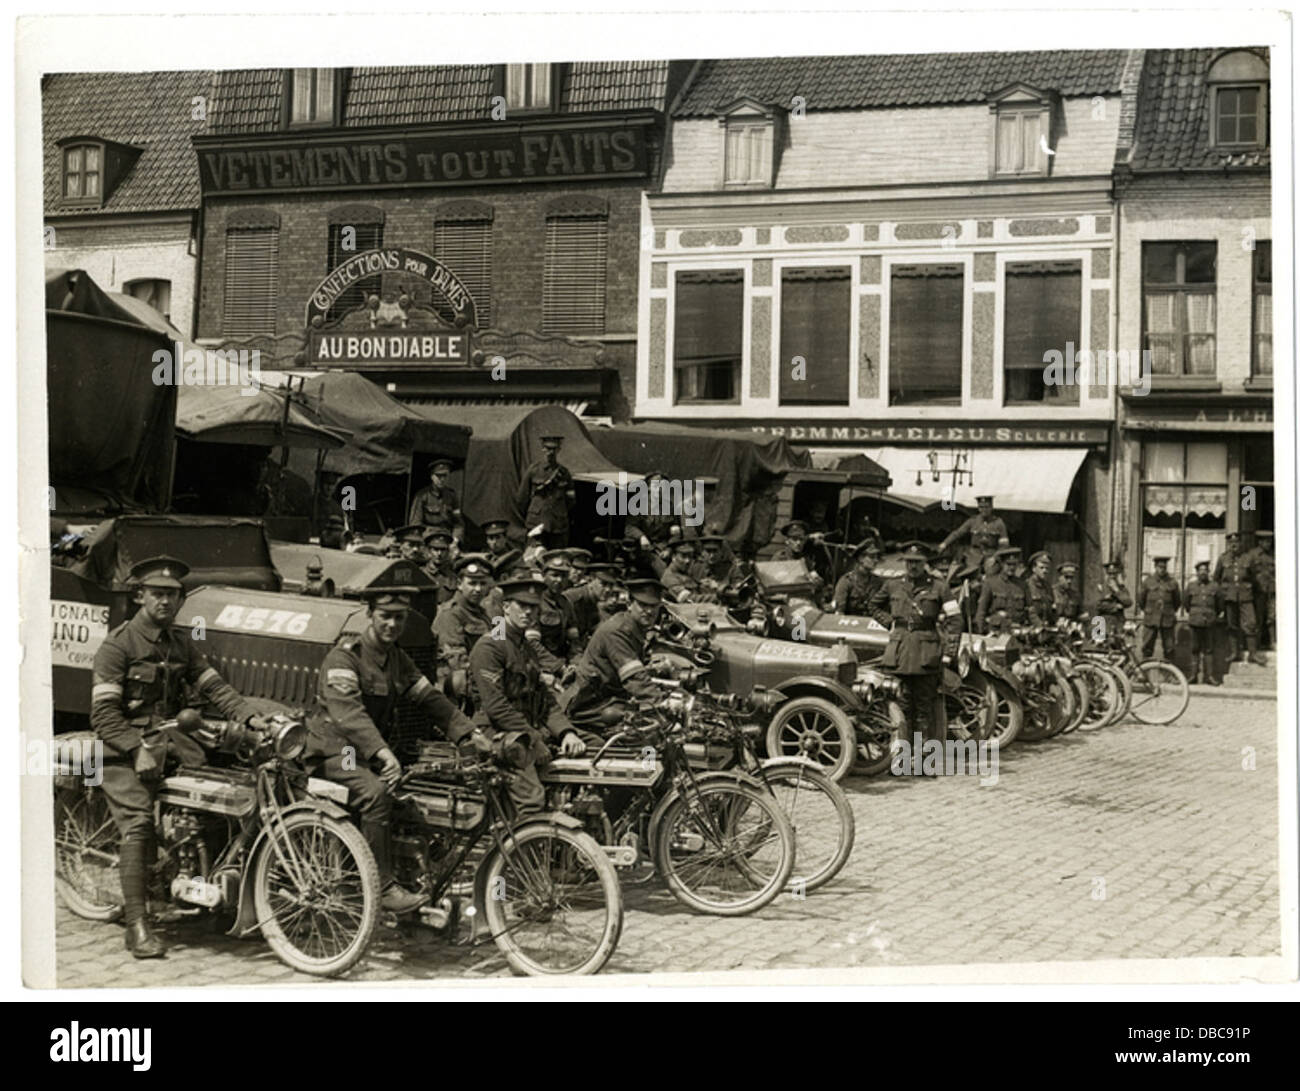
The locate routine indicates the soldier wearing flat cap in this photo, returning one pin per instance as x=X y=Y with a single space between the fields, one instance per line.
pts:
x=854 y=589
x=139 y=677
x=1204 y=602
x=924 y=625
x=1113 y=598
x=546 y=495
x=1159 y=600
x=1003 y=600
x=614 y=667
x=362 y=680
x=556 y=620
x=1236 y=574
x=985 y=529
x=514 y=707
x=1069 y=603
x=436 y=505
x=465 y=617
x=438 y=565
x=1040 y=595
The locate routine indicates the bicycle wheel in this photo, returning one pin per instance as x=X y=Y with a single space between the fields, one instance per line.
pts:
x=724 y=848
x=821 y=817
x=553 y=902
x=1160 y=692
x=1103 y=695
x=317 y=898
x=87 y=850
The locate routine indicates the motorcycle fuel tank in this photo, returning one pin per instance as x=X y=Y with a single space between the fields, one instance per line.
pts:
x=210 y=791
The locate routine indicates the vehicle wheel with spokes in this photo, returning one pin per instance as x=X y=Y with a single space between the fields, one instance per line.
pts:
x=1082 y=697
x=821 y=817
x=316 y=893
x=552 y=901
x=1009 y=715
x=725 y=848
x=883 y=728
x=813 y=728
x=1103 y=695
x=1160 y=692
x=972 y=709
x=87 y=849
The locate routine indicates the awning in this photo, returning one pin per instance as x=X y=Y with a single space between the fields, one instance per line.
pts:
x=1018 y=478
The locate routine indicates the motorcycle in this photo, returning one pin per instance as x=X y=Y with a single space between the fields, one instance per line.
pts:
x=260 y=839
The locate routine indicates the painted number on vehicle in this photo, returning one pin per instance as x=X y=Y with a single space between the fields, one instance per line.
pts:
x=260 y=619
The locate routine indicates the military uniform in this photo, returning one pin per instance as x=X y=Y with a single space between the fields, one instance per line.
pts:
x=543 y=497
x=1066 y=599
x=1235 y=573
x=1265 y=596
x=986 y=534
x=681 y=586
x=1204 y=603
x=853 y=592
x=1040 y=601
x=443 y=579
x=1113 y=598
x=435 y=506
x=458 y=625
x=1003 y=602
x=1159 y=600
x=612 y=666
x=558 y=624
x=357 y=693
x=915 y=610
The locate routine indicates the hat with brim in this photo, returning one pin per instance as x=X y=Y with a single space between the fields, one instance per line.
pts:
x=162 y=571
x=1202 y=564
x=870 y=545
x=397 y=595
x=1009 y=552
x=1043 y=554
x=435 y=536
x=794 y=524
x=474 y=564
x=577 y=555
x=914 y=553
x=1159 y=560
x=1068 y=569
x=507 y=561
x=650 y=592
x=683 y=545
x=552 y=441
x=983 y=499
x=412 y=533
x=604 y=570
x=440 y=466
x=527 y=590
x=496 y=526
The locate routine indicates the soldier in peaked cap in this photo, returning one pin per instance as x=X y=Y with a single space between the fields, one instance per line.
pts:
x=1040 y=595
x=678 y=579
x=1159 y=600
x=1003 y=599
x=1204 y=601
x=436 y=505
x=556 y=620
x=139 y=677
x=614 y=666
x=496 y=532
x=854 y=589
x=545 y=496
x=362 y=680
x=1065 y=592
x=592 y=601
x=924 y=625
x=986 y=531
x=1236 y=574
x=1113 y=598
x=466 y=616
x=438 y=567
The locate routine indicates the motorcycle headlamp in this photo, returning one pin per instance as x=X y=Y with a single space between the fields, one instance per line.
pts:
x=288 y=738
x=981 y=651
x=963 y=660
x=779 y=615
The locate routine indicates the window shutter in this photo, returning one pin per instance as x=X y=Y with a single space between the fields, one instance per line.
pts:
x=465 y=247
x=815 y=325
x=252 y=265
x=1043 y=311
x=925 y=318
x=573 y=275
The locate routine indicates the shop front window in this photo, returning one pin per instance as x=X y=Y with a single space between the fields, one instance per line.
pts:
x=1257 y=484
x=1184 y=504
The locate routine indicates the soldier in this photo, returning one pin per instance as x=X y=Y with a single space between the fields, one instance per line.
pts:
x=464 y=617
x=405 y=543
x=1159 y=600
x=1113 y=598
x=497 y=533
x=436 y=505
x=1002 y=601
x=1235 y=573
x=1204 y=602
x=438 y=567
x=613 y=668
x=361 y=681
x=514 y=706
x=677 y=580
x=799 y=546
x=987 y=533
x=1265 y=589
x=654 y=532
x=1066 y=592
x=139 y=675
x=716 y=565
x=1040 y=595
x=917 y=608
x=590 y=599
x=579 y=561
x=545 y=496
x=854 y=589
x=557 y=621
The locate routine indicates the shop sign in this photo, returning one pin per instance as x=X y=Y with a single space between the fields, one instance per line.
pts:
x=1008 y=435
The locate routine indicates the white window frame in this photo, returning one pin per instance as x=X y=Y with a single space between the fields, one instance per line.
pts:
x=522 y=83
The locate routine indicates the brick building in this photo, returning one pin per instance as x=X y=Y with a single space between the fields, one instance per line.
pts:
x=873 y=255
x=443 y=220
x=1195 y=290
x=121 y=182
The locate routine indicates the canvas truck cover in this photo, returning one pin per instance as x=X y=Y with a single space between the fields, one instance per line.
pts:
x=110 y=425
x=505 y=441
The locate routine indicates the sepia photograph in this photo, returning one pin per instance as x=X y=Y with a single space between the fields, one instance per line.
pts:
x=658 y=509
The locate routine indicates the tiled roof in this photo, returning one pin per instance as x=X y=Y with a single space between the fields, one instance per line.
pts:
x=922 y=79
x=147 y=110
x=247 y=101
x=1173 y=122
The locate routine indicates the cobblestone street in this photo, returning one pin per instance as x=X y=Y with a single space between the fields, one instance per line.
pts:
x=1131 y=842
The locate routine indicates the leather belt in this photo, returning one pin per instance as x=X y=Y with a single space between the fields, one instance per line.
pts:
x=918 y=626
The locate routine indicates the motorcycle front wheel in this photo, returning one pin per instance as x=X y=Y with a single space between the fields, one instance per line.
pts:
x=822 y=820
x=725 y=849
x=316 y=893
x=884 y=725
x=552 y=901
x=1009 y=715
x=1160 y=693
x=87 y=851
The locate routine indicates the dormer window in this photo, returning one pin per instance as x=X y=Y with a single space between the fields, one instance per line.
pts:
x=83 y=173
x=1238 y=87
x=530 y=86
x=312 y=96
x=1022 y=136
x=750 y=137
